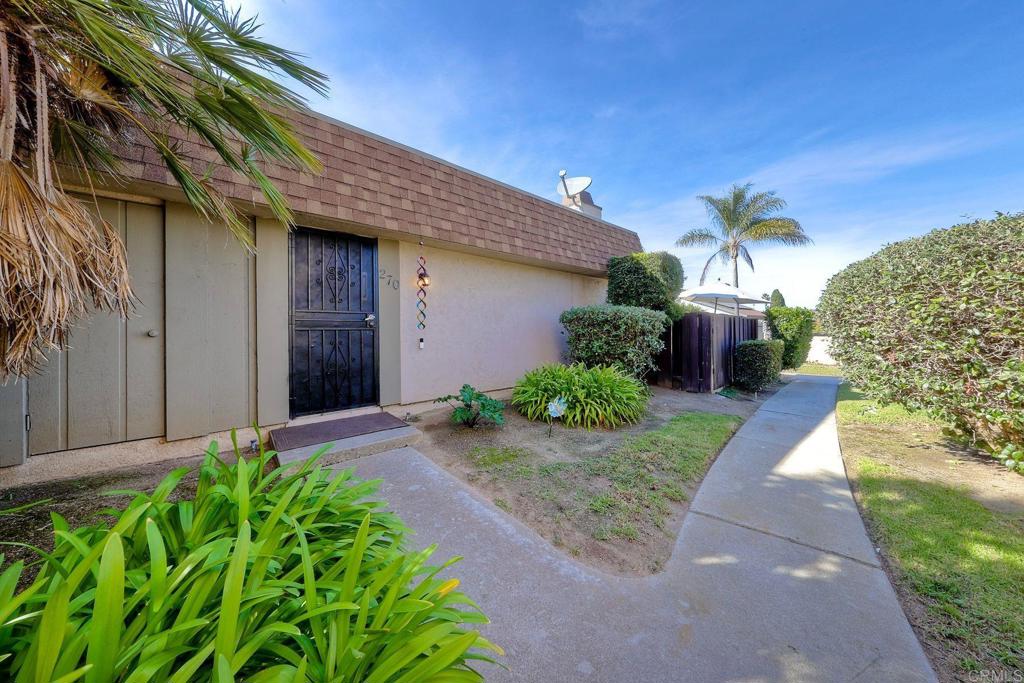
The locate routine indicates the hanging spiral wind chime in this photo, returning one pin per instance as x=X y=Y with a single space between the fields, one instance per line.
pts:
x=422 y=282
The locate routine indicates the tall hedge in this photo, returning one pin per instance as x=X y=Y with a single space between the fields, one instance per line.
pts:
x=757 y=363
x=795 y=327
x=648 y=280
x=937 y=323
x=624 y=336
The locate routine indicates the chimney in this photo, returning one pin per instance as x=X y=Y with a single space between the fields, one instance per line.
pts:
x=583 y=203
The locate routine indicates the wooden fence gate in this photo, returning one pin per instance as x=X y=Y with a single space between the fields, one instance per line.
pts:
x=699 y=350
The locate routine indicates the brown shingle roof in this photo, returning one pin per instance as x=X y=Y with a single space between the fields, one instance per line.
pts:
x=370 y=181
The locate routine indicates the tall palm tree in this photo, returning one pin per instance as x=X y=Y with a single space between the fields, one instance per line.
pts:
x=742 y=217
x=82 y=79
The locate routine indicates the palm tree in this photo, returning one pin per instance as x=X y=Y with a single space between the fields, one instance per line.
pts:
x=79 y=81
x=742 y=217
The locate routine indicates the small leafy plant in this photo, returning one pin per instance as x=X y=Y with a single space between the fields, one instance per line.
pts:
x=262 y=575
x=1012 y=456
x=601 y=396
x=476 y=407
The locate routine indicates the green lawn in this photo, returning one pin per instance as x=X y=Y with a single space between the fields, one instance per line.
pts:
x=624 y=493
x=962 y=561
x=819 y=369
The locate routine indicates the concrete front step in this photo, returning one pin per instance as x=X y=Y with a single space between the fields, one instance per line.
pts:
x=355 y=446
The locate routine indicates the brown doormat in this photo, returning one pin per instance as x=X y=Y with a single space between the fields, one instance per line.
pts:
x=287 y=438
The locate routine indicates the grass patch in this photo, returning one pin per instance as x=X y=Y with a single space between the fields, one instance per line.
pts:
x=960 y=560
x=491 y=457
x=855 y=408
x=820 y=369
x=627 y=492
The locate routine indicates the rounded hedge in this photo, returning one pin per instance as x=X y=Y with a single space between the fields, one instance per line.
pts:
x=795 y=327
x=649 y=280
x=624 y=336
x=757 y=363
x=937 y=323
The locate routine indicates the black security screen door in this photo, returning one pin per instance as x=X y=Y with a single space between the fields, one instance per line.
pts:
x=333 y=322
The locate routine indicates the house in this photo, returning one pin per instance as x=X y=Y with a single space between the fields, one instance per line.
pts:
x=333 y=315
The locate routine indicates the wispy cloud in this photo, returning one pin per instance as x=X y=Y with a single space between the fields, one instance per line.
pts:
x=864 y=160
x=618 y=18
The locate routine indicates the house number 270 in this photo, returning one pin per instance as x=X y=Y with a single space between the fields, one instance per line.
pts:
x=388 y=279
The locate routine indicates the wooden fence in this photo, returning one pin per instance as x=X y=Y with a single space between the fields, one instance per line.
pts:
x=698 y=351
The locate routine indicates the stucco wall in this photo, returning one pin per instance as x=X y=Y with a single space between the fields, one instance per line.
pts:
x=389 y=299
x=488 y=321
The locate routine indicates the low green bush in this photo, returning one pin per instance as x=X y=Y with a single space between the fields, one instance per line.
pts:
x=757 y=363
x=472 y=407
x=935 y=323
x=676 y=310
x=648 y=280
x=601 y=396
x=264 y=575
x=624 y=336
x=795 y=327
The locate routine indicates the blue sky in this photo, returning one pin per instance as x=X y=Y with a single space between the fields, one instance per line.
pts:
x=874 y=120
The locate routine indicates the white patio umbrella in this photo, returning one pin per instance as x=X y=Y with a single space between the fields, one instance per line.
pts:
x=714 y=292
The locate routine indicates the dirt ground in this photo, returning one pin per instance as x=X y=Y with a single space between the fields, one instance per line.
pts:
x=508 y=465
x=925 y=453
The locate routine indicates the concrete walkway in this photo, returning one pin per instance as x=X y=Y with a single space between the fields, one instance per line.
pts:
x=772 y=577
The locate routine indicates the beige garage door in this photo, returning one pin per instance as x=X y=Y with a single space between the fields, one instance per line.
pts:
x=109 y=385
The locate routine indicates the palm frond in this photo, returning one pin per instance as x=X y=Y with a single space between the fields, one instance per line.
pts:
x=722 y=255
x=698 y=237
x=745 y=255
x=777 y=230
x=719 y=210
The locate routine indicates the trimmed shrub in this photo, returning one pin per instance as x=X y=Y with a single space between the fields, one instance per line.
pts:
x=936 y=323
x=795 y=327
x=676 y=310
x=778 y=348
x=472 y=407
x=624 y=336
x=757 y=363
x=648 y=280
x=777 y=300
x=262 y=575
x=601 y=396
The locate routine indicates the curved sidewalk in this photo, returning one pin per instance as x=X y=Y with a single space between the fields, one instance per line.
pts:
x=772 y=578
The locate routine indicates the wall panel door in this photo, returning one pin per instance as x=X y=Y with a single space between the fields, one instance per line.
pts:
x=144 y=347
x=109 y=385
x=211 y=339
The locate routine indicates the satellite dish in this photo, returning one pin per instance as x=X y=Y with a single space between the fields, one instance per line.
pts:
x=570 y=187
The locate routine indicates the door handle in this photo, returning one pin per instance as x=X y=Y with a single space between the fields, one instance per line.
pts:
x=153 y=333
x=370 y=319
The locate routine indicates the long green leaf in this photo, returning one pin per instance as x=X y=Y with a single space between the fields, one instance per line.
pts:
x=108 y=620
x=234 y=581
